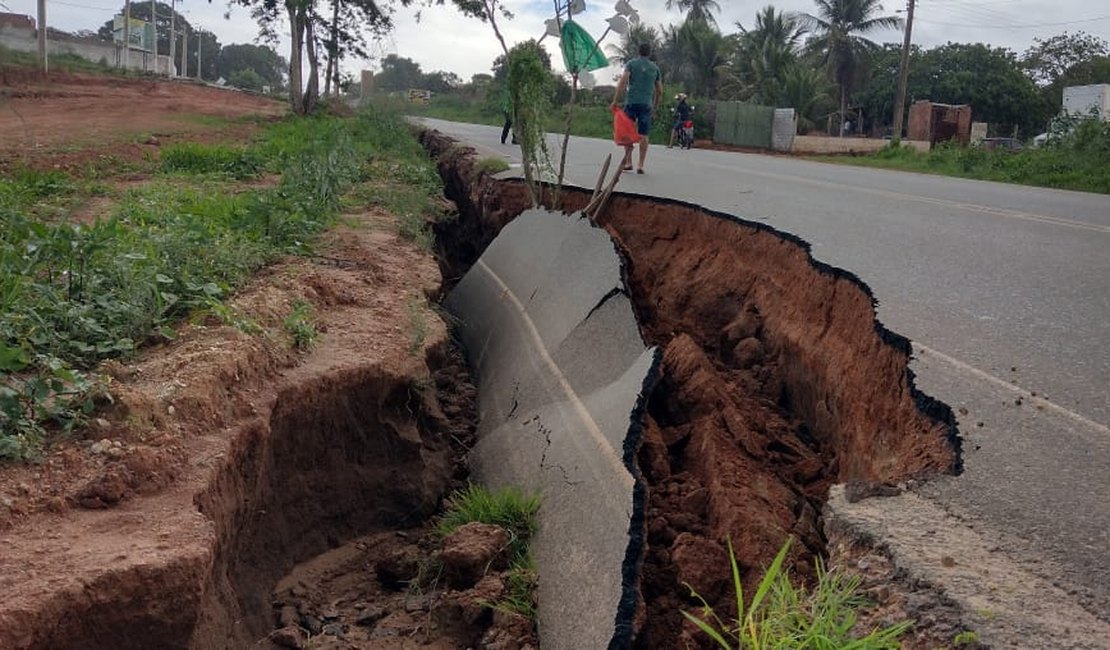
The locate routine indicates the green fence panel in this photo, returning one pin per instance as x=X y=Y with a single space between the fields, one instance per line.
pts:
x=744 y=125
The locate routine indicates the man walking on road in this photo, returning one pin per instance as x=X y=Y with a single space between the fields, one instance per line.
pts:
x=644 y=84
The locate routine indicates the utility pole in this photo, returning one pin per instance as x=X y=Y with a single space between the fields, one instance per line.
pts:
x=200 y=48
x=42 y=36
x=154 y=30
x=126 y=35
x=903 y=76
x=173 y=40
x=185 y=51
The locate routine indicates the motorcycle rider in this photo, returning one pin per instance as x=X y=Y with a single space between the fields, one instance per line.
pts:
x=682 y=113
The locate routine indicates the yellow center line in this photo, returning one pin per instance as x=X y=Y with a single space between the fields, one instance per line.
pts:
x=600 y=441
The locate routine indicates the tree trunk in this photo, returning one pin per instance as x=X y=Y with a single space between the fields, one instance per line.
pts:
x=843 y=107
x=333 y=53
x=296 y=28
x=312 y=88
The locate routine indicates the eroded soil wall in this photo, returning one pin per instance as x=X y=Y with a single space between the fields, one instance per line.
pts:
x=341 y=455
x=777 y=381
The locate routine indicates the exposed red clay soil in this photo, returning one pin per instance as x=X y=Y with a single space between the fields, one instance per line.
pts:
x=776 y=381
x=94 y=120
x=226 y=459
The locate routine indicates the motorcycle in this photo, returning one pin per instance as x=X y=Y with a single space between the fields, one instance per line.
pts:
x=684 y=130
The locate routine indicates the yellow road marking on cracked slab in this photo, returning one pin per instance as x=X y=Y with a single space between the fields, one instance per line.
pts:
x=602 y=443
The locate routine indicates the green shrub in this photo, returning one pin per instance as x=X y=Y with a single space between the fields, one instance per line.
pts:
x=300 y=326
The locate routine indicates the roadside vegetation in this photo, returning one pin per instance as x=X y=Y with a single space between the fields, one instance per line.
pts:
x=781 y=614
x=75 y=292
x=513 y=510
x=1079 y=160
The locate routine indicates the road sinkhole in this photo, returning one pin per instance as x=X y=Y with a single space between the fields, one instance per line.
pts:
x=776 y=381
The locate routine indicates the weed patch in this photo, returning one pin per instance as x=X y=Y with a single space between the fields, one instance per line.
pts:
x=73 y=295
x=782 y=615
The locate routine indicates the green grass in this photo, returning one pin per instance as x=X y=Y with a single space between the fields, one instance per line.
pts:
x=66 y=62
x=509 y=508
x=513 y=510
x=73 y=295
x=783 y=615
x=197 y=158
x=1079 y=162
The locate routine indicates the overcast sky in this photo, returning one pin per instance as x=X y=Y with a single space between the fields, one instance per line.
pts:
x=443 y=39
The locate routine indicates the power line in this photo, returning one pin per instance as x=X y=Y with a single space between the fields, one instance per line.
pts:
x=80 y=6
x=979 y=14
x=1028 y=26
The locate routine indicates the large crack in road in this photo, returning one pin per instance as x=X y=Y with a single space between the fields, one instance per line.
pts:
x=776 y=382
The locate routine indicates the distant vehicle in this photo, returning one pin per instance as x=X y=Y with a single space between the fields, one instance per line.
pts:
x=1005 y=144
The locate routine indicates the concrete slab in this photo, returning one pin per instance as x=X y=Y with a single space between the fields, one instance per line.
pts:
x=563 y=374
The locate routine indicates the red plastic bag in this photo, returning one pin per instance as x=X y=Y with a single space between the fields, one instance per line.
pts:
x=624 y=129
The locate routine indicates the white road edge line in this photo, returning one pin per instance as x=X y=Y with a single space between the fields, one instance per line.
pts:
x=1002 y=383
x=600 y=440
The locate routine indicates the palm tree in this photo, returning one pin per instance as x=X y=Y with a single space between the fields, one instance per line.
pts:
x=839 y=25
x=762 y=57
x=629 y=46
x=697 y=10
x=805 y=90
x=694 y=54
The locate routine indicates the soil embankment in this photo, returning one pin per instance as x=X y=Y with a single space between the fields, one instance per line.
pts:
x=228 y=458
x=777 y=382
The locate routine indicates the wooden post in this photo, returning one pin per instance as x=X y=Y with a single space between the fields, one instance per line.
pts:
x=903 y=76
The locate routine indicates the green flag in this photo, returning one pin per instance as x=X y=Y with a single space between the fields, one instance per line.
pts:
x=580 y=52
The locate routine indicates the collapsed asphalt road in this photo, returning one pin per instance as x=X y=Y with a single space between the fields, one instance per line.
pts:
x=1003 y=290
x=775 y=382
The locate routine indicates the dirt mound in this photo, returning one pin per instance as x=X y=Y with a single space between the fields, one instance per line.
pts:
x=777 y=381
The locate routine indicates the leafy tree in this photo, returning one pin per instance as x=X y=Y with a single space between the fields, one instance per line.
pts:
x=246 y=79
x=262 y=60
x=990 y=79
x=838 y=41
x=308 y=31
x=441 y=82
x=1047 y=60
x=1066 y=60
x=398 y=73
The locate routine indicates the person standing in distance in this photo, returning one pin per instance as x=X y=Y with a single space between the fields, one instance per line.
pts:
x=644 y=84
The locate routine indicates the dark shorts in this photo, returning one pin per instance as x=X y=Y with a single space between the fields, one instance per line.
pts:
x=641 y=115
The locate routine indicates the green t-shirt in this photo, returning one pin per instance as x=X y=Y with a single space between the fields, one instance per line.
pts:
x=642 y=75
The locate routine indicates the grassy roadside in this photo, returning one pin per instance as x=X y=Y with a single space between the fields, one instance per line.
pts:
x=1080 y=162
x=74 y=293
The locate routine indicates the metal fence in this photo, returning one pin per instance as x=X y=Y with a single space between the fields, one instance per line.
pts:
x=744 y=125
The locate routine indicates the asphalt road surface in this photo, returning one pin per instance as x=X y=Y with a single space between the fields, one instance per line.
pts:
x=1005 y=291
